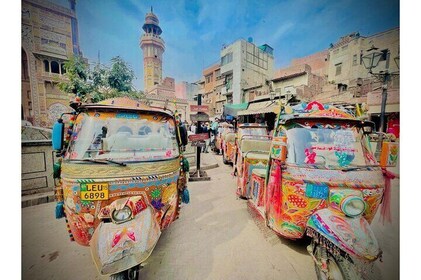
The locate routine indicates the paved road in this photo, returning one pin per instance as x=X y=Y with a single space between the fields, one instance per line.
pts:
x=215 y=238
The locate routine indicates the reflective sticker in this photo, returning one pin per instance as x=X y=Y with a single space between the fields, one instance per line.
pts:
x=125 y=115
x=317 y=190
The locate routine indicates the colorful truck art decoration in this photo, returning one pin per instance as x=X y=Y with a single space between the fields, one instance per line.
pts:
x=324 y=181
x=121 y=180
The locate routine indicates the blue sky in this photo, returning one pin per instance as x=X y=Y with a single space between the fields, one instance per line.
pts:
x=194 y=31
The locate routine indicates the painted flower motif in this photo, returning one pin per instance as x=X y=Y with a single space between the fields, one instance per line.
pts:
x=168 y=153
x=344 y=158
x=310 y=156
x=86 y=203
x=77 y=208
x=156 y=193
x=157 y=204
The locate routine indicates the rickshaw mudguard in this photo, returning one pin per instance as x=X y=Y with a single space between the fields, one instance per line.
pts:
x=118 y=247
x=352 y=235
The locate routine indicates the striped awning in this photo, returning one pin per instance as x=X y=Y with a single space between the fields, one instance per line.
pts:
x=260 y=108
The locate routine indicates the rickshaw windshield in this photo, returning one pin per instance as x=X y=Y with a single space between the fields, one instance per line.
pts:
x=330 y=148
x=255 y=131
x=123 y=136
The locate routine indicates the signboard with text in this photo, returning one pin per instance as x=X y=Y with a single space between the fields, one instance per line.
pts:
x=199 y=108
x=199 y=117
x=198 y=144
x=198 y=137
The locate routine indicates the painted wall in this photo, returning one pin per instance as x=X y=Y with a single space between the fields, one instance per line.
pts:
x=48 y=33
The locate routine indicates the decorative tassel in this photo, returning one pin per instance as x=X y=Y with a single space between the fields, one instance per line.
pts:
x=59 y=210
x=385 y=208
x=185 y=196
x=56 y=170
x=186 y=165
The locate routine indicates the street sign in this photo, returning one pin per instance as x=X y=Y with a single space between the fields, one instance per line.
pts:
x=198 y=137
x=199 y=108
x=198 y=144
x=199 y=117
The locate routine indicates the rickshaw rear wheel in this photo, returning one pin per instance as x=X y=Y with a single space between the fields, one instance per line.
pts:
x=339 y=268
x=223 y=158
x=129 y=274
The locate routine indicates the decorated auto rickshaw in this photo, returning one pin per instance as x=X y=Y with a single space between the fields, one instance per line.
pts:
x=224 y=128
x=228 y=146
x=252 y=152
x=121 y=179
x=324 y=181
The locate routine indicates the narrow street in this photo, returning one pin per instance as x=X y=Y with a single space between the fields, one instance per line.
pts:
x=216 y=237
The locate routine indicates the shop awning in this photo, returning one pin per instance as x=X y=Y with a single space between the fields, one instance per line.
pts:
x=232 y=109
x=260 y=108
x=376 y=109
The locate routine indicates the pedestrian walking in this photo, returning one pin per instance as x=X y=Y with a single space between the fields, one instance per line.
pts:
x=206 y=129
x=193 y=128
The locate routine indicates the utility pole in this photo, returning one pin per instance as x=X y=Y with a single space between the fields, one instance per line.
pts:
x=198 y=130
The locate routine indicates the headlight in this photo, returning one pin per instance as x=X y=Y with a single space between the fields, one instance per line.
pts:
x=122 y=215
x=353 y=206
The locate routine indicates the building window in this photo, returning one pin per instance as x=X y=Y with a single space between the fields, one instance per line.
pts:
x=385 y=57
x=338 y=69
x=46 y=66
x=55 y=68
x=226 y=58
x=63 y=68
x=354 y=60
x=25 y=74
x=228 y=82
x=384 y=54
x=208 y=78
x=256 y=56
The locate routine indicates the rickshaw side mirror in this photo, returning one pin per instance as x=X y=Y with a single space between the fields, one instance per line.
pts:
x=278 y=148
x=58 y=135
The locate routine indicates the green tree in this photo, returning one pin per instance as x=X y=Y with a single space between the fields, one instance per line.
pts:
x=100 y=82
x=121 y=75
x=77 y=71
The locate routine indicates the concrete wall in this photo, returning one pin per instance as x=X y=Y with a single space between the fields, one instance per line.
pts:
x=317 y=61
x=37 y=167
x=350 y=47
x=49 y=32
x=246 y=74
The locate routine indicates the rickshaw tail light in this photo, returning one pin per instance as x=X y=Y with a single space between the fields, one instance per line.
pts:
x=122 y=215
x=353 y=206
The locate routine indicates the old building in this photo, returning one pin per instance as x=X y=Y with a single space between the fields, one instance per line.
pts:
x=49 y=38
x=211 y=93
x=245 y=66
x=153 y=47
x=349 y=80
x=159 y=92
x=186 y=90
x=300 y=79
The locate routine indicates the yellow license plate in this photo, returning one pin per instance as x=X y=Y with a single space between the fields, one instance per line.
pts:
x=94 y=191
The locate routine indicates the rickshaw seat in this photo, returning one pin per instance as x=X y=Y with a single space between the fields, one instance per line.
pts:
x=247 y=145
x=255 y=155
x=126 y=141
x=261 y=172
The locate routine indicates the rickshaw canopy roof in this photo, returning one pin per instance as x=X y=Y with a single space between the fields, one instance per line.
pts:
x=125 y=103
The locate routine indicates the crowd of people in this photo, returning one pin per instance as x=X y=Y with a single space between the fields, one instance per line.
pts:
x=211 y=128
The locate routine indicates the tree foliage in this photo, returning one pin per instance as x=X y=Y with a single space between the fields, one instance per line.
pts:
x=100 y=82
x=120 y=76
x=77 y=72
